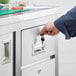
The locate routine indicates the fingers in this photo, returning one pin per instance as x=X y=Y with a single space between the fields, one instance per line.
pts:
x=42 y=31
x=49 y=29
x=47 y=32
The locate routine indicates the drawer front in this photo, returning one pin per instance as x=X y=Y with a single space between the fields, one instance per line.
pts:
x=43 y=69
x=6 y=54
x=32 y=48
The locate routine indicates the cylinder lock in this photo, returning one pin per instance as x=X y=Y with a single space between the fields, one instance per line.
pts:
x=42 y=40
x=38 y=46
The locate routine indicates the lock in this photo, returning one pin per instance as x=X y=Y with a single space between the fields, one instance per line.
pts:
x=39 y=71
x=38 y=47
x=42 y=40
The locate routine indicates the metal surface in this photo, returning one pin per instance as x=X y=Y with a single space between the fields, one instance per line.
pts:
x=18 y=53
x=28 y=46
x=6 y=54
x=46 y=68
x=17 y=29
x=56 y=57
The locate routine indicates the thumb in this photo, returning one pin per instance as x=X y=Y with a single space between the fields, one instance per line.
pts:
x=42 y=31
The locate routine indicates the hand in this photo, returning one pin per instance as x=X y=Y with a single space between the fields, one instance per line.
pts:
x=49 y=29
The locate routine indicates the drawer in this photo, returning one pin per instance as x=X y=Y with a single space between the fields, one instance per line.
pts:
x=43 y=69
x=6 y=54
x=32 y=48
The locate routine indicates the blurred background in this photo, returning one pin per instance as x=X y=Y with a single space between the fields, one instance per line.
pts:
x=65 y=4
x=67 y=48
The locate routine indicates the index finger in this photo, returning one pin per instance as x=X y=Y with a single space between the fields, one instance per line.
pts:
x=42 y=31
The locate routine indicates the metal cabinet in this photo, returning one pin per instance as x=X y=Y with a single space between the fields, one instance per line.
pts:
x=6 y=54
x=43 y=69
x=32 y=46
x=67 y=55
x=21 y=50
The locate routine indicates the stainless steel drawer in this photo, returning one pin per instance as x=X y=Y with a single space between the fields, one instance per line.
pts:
x=43 y=69
x=32 y=46
x=6 y=54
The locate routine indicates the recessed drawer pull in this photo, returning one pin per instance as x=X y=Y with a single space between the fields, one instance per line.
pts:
x=37 y=49
x=6 y=51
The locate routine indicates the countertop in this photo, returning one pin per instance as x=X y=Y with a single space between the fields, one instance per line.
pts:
x=32 y=14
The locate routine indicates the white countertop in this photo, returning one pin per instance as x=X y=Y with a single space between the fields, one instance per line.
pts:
x=8 y=19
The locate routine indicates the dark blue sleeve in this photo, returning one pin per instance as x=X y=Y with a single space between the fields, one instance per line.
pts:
x=67 y=23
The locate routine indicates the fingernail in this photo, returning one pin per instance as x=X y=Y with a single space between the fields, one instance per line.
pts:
x=41 y=34
x=51 y=31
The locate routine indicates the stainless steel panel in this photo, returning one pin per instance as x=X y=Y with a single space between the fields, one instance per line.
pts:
x=6 y=54
x=46 y=68
x=32 y=46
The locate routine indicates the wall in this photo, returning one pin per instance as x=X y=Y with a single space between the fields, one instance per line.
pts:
x=43 y=2
x=65 y=4
x=67 y=48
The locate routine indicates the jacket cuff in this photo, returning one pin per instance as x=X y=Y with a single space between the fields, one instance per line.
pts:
x=61 y=27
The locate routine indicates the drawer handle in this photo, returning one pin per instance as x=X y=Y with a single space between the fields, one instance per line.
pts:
x=37 y=49
x=6 y=52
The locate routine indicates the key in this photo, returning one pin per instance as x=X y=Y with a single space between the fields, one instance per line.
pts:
x=42 y=39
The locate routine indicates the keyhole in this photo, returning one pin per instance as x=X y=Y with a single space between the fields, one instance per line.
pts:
x=39 y=71
x=42 y=40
